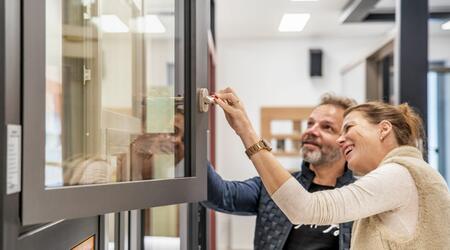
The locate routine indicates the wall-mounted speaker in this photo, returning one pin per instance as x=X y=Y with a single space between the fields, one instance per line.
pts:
x=315 y=62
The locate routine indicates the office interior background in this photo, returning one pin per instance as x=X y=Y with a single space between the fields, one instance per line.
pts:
x=116 y=64
x=269 y=68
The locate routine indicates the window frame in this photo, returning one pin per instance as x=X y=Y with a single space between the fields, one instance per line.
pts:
x=40 y=204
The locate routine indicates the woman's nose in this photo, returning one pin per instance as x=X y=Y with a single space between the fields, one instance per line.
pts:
x=340 y=140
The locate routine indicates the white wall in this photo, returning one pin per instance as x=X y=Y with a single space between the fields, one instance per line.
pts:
x=354 y=82
x=271 y=73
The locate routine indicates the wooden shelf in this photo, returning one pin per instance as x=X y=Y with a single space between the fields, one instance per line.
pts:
x=294 y=114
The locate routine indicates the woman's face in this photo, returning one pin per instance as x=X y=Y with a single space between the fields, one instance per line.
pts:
x=360 y=143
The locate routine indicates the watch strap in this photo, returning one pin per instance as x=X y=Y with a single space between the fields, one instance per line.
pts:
x=255 y=148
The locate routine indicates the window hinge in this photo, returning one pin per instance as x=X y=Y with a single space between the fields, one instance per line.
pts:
x=86 y=74
x=87 y=12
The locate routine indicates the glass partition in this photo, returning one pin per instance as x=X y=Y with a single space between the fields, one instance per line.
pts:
x=439 y=110
x=114 y=91
x=110 y=236
x=438 y=133
x=163 y=227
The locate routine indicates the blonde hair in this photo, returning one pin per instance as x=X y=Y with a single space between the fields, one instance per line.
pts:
x=406 y=123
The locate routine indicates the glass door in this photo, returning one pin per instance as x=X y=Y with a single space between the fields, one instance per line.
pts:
x=165 y=227
x=111 y=121
x=438 y=120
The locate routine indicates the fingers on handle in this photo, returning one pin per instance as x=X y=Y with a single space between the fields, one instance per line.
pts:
x=228 y=90
x=225 y=106
x=229 y=97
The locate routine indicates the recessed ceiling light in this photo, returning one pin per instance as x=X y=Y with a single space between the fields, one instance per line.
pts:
x=293 y=22
x=446 y=26
x=110 y=24
x=87 y=2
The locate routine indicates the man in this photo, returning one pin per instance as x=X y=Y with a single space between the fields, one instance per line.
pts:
x=324 y=167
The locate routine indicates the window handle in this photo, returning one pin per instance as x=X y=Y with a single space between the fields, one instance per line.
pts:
x=204 y=100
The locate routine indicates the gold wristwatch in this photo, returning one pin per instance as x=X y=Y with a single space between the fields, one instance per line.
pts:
x=255 y=148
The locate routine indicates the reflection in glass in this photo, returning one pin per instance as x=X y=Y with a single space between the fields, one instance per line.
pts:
x=110 y=231
x=162 y=227
x=114 y=91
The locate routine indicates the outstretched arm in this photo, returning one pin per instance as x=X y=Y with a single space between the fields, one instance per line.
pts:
x=272 y=173
x=370 y=195
x=235 y=197
x=386 y=188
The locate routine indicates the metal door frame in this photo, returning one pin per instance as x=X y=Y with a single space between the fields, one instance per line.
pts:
x=41 y=204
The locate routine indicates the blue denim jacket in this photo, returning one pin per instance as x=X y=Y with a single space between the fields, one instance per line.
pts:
x=249 y=197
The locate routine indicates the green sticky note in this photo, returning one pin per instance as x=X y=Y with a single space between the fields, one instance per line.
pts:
x=160 y=106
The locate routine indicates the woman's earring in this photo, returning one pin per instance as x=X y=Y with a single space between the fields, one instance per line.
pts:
x=381 y=138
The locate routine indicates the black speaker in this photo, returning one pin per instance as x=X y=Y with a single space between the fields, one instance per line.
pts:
x=315 y=62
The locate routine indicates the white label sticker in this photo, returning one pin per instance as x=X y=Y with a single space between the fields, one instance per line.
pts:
x=13 y=159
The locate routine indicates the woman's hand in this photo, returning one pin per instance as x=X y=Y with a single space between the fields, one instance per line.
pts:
x=236 y=116
x=270 y=170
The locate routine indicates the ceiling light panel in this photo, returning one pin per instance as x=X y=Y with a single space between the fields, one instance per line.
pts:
x=293 y=22
x=446 y=26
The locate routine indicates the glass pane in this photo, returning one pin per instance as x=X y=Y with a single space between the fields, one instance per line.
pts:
x=438 y=134
x=114 y=91
x=438 y=120
x=163 y=227
x=110 y=231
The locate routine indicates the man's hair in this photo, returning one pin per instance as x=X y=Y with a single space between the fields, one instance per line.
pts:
x=337 y=101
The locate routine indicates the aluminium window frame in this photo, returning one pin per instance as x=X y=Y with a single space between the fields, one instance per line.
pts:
x=41 y=204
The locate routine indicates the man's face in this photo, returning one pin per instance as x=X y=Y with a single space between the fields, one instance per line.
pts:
x=319 y=144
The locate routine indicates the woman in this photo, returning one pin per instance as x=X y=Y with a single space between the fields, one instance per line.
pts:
x=399 y=203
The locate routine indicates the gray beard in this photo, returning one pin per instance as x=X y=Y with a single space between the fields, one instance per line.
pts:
x=317 y=157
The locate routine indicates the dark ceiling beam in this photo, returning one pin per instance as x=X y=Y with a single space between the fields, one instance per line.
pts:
x=357 y=10
x=380 y=17
x=390 y=17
